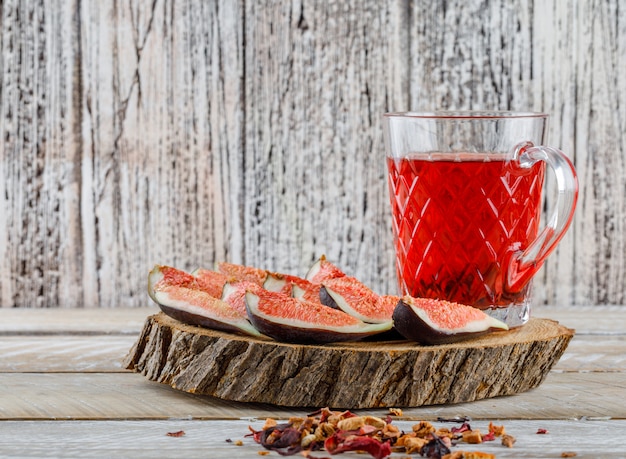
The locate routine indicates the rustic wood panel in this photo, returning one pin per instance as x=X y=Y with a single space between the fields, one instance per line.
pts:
x=149 y=439
x=62 y=353
x=186 y=132
x=131 y=396
x=318 y=77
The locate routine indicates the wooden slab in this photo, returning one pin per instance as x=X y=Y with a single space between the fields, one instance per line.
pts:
x=346 y=375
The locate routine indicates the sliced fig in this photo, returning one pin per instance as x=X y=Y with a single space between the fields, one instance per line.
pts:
x=322 y=270
x=355 y=298
x=307 y=292
x=293 y=320
x=167 y=275
x=211 y=282
x=292 y=286
x=243 y=273
x=234 y=293
x=185 y=302
x=430 y=321
x=275 y=282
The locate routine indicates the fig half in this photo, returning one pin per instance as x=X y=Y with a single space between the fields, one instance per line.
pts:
x=294 y=320
x=430 y=321
x=185 y=302
x=355 y=298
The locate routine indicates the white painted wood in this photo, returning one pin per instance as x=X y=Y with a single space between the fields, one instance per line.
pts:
x=118 y=321
x=190 y=132
x=131 y=396
x=69 y=399
x=149 y=439
x=63 y=353
x=103 y=353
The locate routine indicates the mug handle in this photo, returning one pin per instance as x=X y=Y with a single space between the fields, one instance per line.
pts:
x=524 y=264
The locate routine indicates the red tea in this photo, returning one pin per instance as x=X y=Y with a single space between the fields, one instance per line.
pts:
x=458 y=219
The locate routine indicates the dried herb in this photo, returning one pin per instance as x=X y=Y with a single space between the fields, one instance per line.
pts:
x=459 y=419
x=282 y=438
x=435 y=448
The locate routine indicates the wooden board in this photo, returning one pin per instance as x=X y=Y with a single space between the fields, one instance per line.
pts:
x=347 y=375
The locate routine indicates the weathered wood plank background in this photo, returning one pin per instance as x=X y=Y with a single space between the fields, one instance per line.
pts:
x=185 y=132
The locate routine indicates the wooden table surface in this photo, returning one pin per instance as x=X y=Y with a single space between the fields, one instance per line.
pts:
x=63 y=393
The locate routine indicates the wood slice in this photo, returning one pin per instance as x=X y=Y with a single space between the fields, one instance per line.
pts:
x=346 y=375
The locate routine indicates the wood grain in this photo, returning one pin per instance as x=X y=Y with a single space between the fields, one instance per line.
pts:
x=118 y=396
x=189 y=132
x=346 y=375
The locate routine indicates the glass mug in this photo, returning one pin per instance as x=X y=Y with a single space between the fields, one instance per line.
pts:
x=466 y=198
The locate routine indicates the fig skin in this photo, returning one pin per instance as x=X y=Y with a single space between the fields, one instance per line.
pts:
x=326 y=299
x=414 y=328
x=198 y=320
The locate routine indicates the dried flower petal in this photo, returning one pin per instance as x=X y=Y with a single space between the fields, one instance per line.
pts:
x=435 y=448
x=376 y=448
x=464 y=428
x=542 y=431
x=180 y=433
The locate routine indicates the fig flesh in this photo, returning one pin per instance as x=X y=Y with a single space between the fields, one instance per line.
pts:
x=322 y=270
x=211 y=282
x=243 y=273
x=185 y=302
x=430 y=321
x=234 y=293
x=355 y=298
x=293 y=320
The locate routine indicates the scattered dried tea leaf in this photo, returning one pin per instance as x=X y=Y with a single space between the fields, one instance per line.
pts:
x=352 y=423
x=508 y=440
x=498 y=431
x=459 y=419
x=472 y=437
x=435 y=448
x=413 y=444
x=469 y=455
x=269 y=422
x=568 y=454
x=423 y=429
